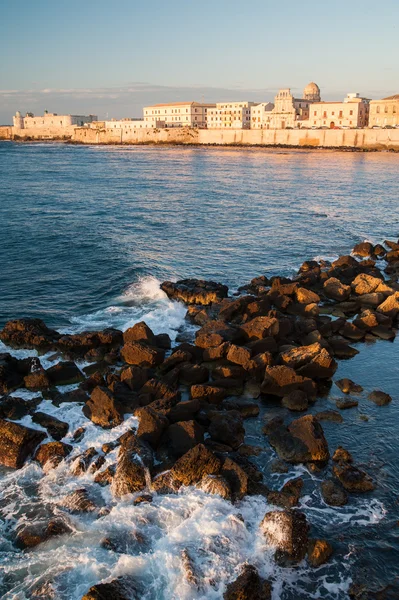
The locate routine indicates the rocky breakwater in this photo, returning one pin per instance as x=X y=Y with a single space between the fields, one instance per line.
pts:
x=277 y=339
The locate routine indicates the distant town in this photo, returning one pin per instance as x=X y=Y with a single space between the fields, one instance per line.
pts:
x=287 y=112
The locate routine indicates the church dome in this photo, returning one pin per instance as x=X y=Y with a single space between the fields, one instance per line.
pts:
x=17 y=114
x=312 y=92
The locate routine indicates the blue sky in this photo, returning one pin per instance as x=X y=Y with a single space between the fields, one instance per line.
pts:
x=114 y=57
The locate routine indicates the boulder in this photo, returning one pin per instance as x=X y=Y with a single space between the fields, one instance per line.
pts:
x=130 y=475
x=139 y=333
x=38 y=380
x=17 y=443
x=114 y=590
x=215 y=485
x=52 y=453
x=28 y=333
x=152 y=424
x=390 y=306
x=310 y=361
x=305 y=296
x=191 y=374
x=248 y=586
x=282 y=380
x=103 y=409
x=335 y=290
x=105 y=477
x=296 y=401
x=379 y=398
x=342 y=456
x=319 y=551
x=208 y=393
x=160 y=390
x=182 y=411
x=56 y=428
x=289 y=494
x=287 y=531
x=345 y=403
x=310 y=432
x=260 y=328
x=194 y=465
x=363 y=249
x=352 y=478
x=227 y=428
x=82 y=462
x=195 y=291
x=329 y=415
x=347 y=386
x=184 y=435
x=11 y=375
x=32 y=534
x=79 y=501
x=135 y=377
x=64 y=373
x=14 y=408
x=239 y=355
x=236 y=477
x=142 y=355
x=333 y=493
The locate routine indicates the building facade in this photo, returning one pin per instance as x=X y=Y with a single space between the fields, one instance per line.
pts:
x=385 y=112
x=50 y=120
x=290 y=112
x=177 y=114
x=129 y=124
x=230 y=115
x=261 y=115
x=353 y=112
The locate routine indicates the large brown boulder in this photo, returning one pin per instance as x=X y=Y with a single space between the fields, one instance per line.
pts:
x=333 y=493
x=227 y=428
x=114 y=590
x=319 y=551
x=194 y=465
x=64 y=373
x=152 y=424
x=191 y=374
x=363 y=249
x=352 y=478
x=17 y=443
x=32 y=534
x=56 y=428
x=287 y=531
x=367 y=284
x=236 y=477
x=14 y=408
x=103 y=409
x=390 y=306
x=335 y=290
x=142 y=355
x=11 y=373
x=28 y=333
x=310 y=361
x=282 y=380
x=140 y=332
x=248 y=586
x=135 y=377
x=79 y=344
x=52 y=453
x=130 y=474
x=195 y=291
x=216 y=485
x=184 y=435
x=208 y=393
x=310 y=432
x=260 y=327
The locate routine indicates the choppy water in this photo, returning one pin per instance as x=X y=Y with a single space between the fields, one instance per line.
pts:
x=86 y=235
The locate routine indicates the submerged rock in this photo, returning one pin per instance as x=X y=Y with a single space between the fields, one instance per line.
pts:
x=287 y=531
x=347 y=386
x=248 y=586
x=353 y=479
x=379 y=398
x=319 y=551
x=32 y=534
x=117 y=589
x=333 y=494
x=227 y=428
x=216 y=485
x=17 y=443
x=56 y=428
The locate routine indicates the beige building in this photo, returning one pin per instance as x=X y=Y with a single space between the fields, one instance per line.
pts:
x=352 y=112
x=50 y=121
x=129 y=124
x=177 y=114
x=385 y=112
x=290 y=112
x=230 y=115
x=261 y=115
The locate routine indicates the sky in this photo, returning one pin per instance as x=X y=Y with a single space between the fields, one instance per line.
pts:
x=113 y=58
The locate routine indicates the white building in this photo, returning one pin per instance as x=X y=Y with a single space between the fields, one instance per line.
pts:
x=128 y=124
x=50 y=120
x=177 y=114
x=261 y=115
x=230 y=115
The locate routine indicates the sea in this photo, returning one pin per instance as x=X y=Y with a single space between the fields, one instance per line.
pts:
x=87 y=234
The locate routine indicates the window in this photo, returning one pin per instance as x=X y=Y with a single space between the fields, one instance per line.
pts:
x=315 y=113
x=385 y=109
x=378 y=109
x=340 y=114
x=351 y=112
x=333 y=113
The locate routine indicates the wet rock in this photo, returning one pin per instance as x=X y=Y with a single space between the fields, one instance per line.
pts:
x=226 y=371
x=79 y=501
x=28 y=333
x=296 y=401
x=216 y=485
x=130 y=476
x=56 y=428
x=281 y=381
x=31 y=535
x=82 y=462
x=289 y=494
x=152 y=424
x=335 y=290
x=260 y=327
x=97 y=464
x=140 y=332
x=305 y=296
x=103 y=409
x=319 y=551
x=353 y=479
x=333 y=494
x=14 y=408
x=227 y=428
x=134 y=377
x=105 y=477
x=236 y=477
x=114 y=590
x=344 y=403
x=11 y=376
x=248 y=586
x=194 y=465
x=310 y=361
x=17 y=443
x=37 y=380
x=184 y=435
x=208 y=393
x=329 y=415
x=302 y=442
x=390 y=306
x=193 y=374
x=182 y=411
x=195 y=291
x=142 y=499
x=43 y=591
x=52 y=454
x=347 y=386
x=188 y=568
x=64 y=373
x=379 y=398
x=287 y=531
x=272 y=425
x=278 y=466
x=239 y=355
x=246 y=409
x=363 y=249
x=142 y=355
x=78 y=435
x=342 y=456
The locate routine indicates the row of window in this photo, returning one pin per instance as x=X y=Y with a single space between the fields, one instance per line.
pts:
x=386 y=109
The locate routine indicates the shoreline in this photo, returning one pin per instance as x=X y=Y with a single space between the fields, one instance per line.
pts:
x=281 y=338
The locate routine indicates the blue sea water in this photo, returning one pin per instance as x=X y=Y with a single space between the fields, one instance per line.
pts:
x=86 y=235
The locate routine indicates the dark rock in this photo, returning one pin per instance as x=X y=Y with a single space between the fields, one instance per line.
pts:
x=52 y=453
x=142 y=499
x=78 y=434
x=319 y=551
x=260 y=327
x=184 y=435
x=193 y=374
x=248 y=586
x=103 y=409
x=82 y=462
x=142 y=355
x=194 y=465
x=278 y=466
x=215 y=485
x=336 y=290
x=37 y=380
x=17 y=443
x=11 y=376
x=114 y=590
x=342 y=456
x=227 y=428
x=296 y=401
x=152 y=424
x=310 y=361
x=195 y=291
x=139 y=333
x=329 y=415
x=347 y=386
x=31 y=535
x=272 y=425
x=28 y=333
x=56 y=428
x=287 y=530
x=345 y=403
x=14 y=408
x=105 y=477
x=281 y=381
x=135 y=377
x=289 y=494
x=352 y=478
x=333 y=494
x=182 y=411
x=310 y=432
x=64 y=373
x=208 y=393
x=236 y=477
x=379 y=398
